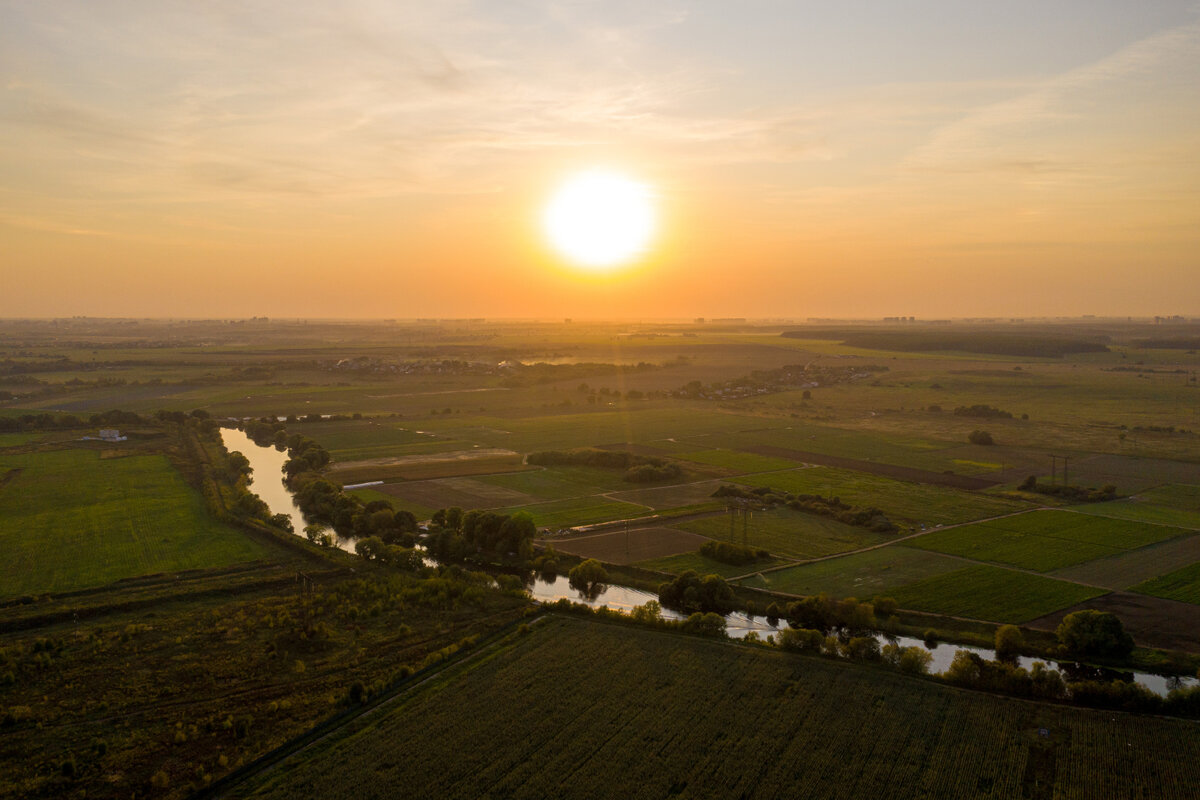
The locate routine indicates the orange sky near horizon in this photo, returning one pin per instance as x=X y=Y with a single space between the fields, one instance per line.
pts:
x=394 y=160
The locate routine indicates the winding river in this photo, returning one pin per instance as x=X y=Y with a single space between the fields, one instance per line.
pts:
x=267 y=463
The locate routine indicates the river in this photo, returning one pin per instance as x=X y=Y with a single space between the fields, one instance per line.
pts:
x=267 y=463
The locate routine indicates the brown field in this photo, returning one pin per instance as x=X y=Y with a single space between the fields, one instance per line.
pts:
x=874 y=467
x=483 y=461
x=462 y=492
x=1152 y=621
x=669 y=496
x=640 y=544
x=1128 y=569
x=1130 y=473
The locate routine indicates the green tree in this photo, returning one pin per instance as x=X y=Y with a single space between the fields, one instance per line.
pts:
x=1094 y=633
x=588 y=577
x=1009 y=642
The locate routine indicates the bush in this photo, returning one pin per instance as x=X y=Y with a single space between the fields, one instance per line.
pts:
x=801 y=640
x=980 y=437
x=734 y=554
x=705 y=624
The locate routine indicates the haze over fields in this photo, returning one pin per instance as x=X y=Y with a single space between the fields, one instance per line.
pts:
x=396 y=159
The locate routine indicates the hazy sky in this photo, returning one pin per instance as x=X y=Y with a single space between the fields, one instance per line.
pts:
x=392 y=159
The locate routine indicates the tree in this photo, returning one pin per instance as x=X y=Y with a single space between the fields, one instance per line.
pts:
x=980 y=437
x=705 y=624
x=1094 y=633
x=1009 y=642
x=588 y=577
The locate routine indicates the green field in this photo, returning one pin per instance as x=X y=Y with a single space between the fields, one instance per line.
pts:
x=69 y=520
x=561 y=482
x=578 y=511
x=738 y=462
x=703 y=566
x=579 y=709
x=1173 y=504
x=861 y=575
x=787 y=533
x=357 y=439
x=1045 y=540
x=1135 y=566
x=1182 y=584
x=992 y=594
x=901 y=500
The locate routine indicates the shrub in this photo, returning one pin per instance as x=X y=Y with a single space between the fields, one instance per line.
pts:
x=980 y=437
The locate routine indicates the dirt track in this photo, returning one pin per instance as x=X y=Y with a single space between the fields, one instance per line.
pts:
x=875 y=468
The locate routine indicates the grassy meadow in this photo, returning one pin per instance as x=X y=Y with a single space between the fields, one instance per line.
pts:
x=70 y=519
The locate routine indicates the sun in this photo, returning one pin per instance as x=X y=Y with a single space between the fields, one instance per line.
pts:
x=600 y=219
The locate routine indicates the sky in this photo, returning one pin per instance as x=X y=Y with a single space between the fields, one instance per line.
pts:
x=393 y=159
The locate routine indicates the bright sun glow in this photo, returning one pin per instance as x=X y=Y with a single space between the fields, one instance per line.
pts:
x=600 y=219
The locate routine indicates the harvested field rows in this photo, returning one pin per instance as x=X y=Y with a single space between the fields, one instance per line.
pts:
x=583 y=709
x=992 y=594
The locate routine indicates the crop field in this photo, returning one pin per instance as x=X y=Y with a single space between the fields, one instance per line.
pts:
x=861 y=575
x=901 y=500
x=357 y=439
x=674 y=496
x=466 y=493
x=578 y=511
x=1171 y=504
x=992 y=593
x=561 y=482
x=738 y=462
x=371 y=493
x=634 y=713
x=639 y=544
x=697 y=563
x=1135 y=566
x=70 y=521
x=636 y=425
x=787 y=533
x=1182 y=584
x=1045 y=540
x=424 y=467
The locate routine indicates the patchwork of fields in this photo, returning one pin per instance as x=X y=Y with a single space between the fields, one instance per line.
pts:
x=633 y=713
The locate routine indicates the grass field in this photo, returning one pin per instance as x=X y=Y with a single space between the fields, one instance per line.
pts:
x=355 y=439
x=636 y=544
x=861 y=575
x=901 y=500
x=1045 y=540
x=69 y=520
x=1182 y=584
x=1135 y=566
x=578 y=709
x=738 y=462
x=561 y=482
x=992 y=593
x=787 y=533
x=578 y=511
x=702 y=566
x=1172 y=504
